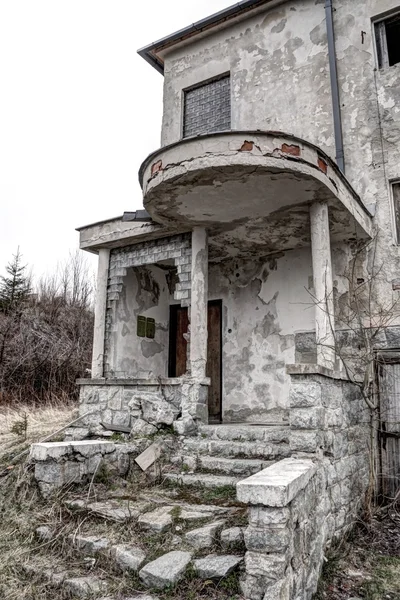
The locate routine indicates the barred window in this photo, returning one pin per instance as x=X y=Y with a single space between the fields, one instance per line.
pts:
x=387 y=33
x=207 y=107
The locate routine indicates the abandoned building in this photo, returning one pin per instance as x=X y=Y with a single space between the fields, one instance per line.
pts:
x=219 y=305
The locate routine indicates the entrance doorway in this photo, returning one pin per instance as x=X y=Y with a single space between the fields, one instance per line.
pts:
x=179 y=321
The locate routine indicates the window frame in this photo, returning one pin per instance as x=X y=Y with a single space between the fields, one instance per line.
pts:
x=395 y=213
x=225 y=74
x=378 y=28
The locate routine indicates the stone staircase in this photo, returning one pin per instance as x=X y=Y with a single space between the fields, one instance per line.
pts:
x=221 y=455
x=146 y=541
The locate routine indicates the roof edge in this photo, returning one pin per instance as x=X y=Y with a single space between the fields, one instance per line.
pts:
x=149 y=53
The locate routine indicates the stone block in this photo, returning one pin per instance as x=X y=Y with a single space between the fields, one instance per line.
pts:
x=166 y=570
x=307 y=418
x=158 y=520
x=304 y=394
x=279 y=590
x=233 y=536
x=128 y=558
x=272 y=566
x=305 y=441
x=85 y=587
x=261 y=516
x=157 y=411
x=89 y=545
x=185 y=426
x=44 y=533
x=266 y=540
x=204 y=537
x=278 y=484
x=216 y=566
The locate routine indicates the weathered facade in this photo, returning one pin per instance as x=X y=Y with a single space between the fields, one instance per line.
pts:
x=221 y=303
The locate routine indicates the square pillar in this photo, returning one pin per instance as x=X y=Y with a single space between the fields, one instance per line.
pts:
x=199 y=304
x=100 y=314
x=323 y=285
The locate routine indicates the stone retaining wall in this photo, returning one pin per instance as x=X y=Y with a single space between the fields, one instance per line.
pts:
x=61 y=463
x=300 y=504
x=144 y=406
x=292 y=520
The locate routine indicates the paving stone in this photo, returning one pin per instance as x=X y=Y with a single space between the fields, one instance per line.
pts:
x=231 y=537
x=128 y=558
x=216 y=567
x=85 y=587
x=158 y=520
x=90 y=545
x=166 y=570
x=116 y=510
x=204 y=537
x=194 y=512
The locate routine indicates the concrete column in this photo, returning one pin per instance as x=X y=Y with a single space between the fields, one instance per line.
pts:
x=100 y=314
x=323 y=284
x=199 y=303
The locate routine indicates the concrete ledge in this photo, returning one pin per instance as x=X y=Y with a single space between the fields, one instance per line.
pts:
x=136 y=382
x=277 y=485
x=56 y=450
x=313 y=369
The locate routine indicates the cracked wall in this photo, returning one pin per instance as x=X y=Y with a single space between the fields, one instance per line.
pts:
x=265 y=303
x=145 y=292
x=278 y=61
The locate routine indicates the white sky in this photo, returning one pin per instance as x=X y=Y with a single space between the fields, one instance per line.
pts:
x=79 y=112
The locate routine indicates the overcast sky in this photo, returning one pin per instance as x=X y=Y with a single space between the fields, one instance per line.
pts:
x=79 y=112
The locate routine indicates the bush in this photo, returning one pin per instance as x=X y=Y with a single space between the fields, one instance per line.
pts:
x=46 y=336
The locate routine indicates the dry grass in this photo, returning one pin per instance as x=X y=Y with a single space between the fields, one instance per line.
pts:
x=41 y=422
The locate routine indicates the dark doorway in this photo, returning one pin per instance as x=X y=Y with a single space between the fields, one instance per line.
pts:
x=179 y=322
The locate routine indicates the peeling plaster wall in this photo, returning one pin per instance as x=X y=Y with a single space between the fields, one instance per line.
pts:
x=145 y=292
x=370 y=100
x=279 y=73
x=265 y=303
x=279 y=68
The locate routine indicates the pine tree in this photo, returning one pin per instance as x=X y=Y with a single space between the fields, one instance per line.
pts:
x=15 y=288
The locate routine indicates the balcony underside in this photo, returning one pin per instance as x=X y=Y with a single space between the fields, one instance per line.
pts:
x=251 y=190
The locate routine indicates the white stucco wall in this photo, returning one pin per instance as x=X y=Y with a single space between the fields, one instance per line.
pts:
x=145 y=292
x=264 y=305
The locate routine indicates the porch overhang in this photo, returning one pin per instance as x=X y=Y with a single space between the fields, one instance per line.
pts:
x=251 y=190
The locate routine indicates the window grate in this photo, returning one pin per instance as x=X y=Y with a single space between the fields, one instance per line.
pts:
x=207 y=107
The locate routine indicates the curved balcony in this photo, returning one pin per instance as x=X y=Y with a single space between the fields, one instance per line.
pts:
x=250 y=189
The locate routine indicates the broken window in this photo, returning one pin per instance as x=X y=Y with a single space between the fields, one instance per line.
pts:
x=207 y=107
x=396 y=203
x=387 y=34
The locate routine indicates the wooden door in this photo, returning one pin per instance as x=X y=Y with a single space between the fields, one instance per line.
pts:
x=389 y=395
x=214 y=361
x=179 y=322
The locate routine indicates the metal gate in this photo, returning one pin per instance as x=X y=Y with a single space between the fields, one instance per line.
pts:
x=389 y=406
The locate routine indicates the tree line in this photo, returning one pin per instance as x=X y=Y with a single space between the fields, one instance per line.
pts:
x=46 y=330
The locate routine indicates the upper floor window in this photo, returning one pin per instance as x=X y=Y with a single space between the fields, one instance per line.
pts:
x=396 y=205
x=207 y=107
x=387 y=34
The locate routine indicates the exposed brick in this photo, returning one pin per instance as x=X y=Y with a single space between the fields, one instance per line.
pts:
x=323 y=165
x=156 y=167
x=291 y=149
x=247 y=146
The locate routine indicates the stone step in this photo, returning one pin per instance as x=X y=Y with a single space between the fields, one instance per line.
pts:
x=232 y=466
x=231 y=449
x=202 y=480
x=246 y=433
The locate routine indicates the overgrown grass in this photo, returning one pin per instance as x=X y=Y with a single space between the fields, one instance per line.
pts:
x=40 y=422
